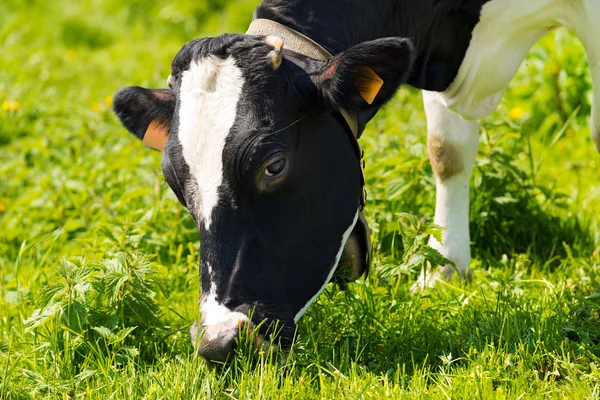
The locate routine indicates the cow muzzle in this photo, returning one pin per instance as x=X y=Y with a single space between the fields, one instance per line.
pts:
x=218 y=342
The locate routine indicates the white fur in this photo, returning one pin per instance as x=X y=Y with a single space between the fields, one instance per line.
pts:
x=345 y=237
x=210 y=90
x=504 y=34
x=452 y=194
x=215 y=313
x=584 y=20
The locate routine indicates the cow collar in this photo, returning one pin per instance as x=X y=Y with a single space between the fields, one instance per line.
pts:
x=307 y=47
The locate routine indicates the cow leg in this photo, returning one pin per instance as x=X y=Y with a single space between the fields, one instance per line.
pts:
x=492 y=58
x=595 y=128
x=452 y=144
x=584 y=21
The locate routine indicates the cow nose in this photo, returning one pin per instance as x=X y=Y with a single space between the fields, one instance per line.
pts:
x=216 y=342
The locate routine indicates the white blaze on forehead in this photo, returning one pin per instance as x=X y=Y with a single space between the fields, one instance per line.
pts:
x=209 y=94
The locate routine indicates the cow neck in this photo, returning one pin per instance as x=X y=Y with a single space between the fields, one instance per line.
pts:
x=302 y=44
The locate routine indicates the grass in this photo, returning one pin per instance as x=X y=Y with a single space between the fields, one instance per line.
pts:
x=98 y=262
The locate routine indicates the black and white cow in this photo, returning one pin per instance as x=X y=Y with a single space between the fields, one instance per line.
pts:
x=257 y=136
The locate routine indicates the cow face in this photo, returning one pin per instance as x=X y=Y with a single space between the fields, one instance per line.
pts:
x=257 y=152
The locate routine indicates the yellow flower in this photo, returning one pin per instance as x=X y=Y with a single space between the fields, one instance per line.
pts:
x=70 y=55
x=95 y=106
x=11 y=106
x=516 y=113
x=569 y=132
x=108 y=101
x=2 y=207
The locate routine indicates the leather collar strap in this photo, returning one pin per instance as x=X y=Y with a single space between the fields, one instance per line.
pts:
x=301 y=44
x=292 y=39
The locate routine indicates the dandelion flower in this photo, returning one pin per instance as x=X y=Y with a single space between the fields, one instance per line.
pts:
x=516 y=113
x=11 y=106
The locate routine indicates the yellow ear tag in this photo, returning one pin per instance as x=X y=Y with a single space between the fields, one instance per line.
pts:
x=156 y=135
x=368 y=83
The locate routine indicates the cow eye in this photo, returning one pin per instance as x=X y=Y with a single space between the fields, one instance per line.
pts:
x=275 y=168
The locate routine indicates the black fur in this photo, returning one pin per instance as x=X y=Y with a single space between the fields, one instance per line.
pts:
x=440 y=30
x=390 y=58
x=137 y=107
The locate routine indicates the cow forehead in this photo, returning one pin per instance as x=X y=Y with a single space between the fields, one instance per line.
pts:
x=209 y=94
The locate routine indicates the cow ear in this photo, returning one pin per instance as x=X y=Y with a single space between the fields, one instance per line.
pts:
x=366 y=75
x=147 y=113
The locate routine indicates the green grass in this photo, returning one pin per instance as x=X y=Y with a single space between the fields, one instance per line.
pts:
x=98 y=261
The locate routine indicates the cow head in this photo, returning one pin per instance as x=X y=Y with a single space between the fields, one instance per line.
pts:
x=258 y=153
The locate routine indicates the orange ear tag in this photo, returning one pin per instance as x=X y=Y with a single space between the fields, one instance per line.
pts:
x=368 y=83
x=156 y=135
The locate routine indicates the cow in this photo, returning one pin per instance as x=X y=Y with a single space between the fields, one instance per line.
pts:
x=258 y=136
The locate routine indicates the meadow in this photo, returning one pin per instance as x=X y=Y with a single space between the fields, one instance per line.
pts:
x=99 y=262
